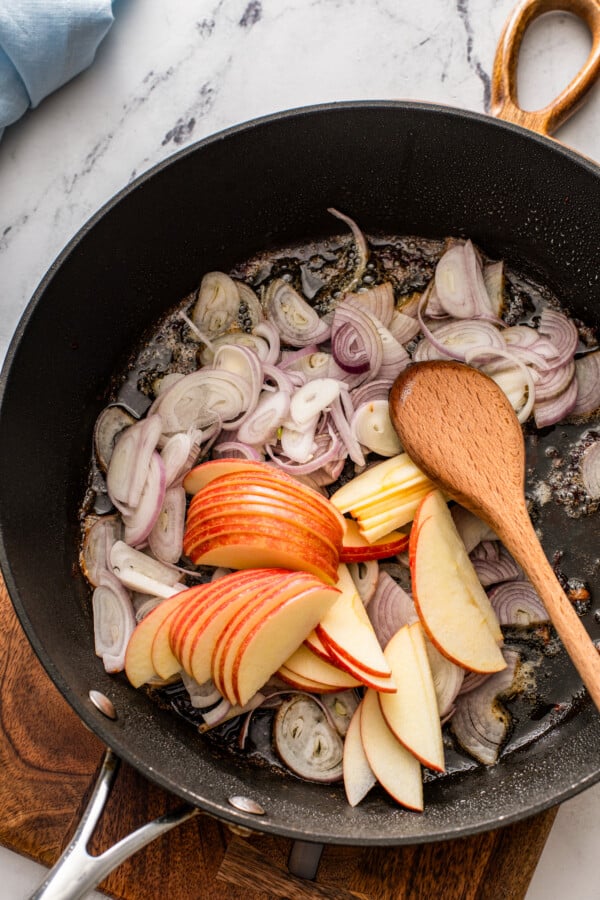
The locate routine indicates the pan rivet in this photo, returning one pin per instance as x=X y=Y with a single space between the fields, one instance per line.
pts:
x=245 y=804
x=102 y=703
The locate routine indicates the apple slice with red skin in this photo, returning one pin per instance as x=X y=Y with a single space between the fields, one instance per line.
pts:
x=452 y=605
x=234 y=587
x=307 y=664
x=212 y=593
x=236 y=501
x=356 y=548
x=234 y=519
x=251 y=486
x=316 y=646
x=262 y=548
x=164 y=662
x=274 y=637
x=412 y=712
x=358 y=774
x=259 y=502
x=206 y=472
x=396 y=769
x=266 y=597
x=304 y=684
x=199 y=643
x=139 y=667
x=247 y=551
x=347 y=631
x=279 y=515
x=237 y=630
x=376 y=682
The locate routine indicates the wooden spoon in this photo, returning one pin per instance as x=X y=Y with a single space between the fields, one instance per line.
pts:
x=459 y=428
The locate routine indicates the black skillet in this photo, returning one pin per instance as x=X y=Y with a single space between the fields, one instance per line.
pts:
x=402 y=168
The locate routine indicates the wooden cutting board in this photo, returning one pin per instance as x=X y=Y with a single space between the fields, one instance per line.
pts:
x=48 y=760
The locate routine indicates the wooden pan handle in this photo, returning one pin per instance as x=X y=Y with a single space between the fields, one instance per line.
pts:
x=504 y=102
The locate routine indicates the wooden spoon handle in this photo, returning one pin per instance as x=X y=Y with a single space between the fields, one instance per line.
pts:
x=505 y=104
x=521 y=539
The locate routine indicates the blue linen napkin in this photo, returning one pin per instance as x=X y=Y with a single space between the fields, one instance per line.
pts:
x=43 y=44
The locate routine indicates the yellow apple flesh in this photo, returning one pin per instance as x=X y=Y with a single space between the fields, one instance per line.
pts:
x=396 y=769
x=412 y=712
x=348 y=631
x=452 y=605
x=358 y=774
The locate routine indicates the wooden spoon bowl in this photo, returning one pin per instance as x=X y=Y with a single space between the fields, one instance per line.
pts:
x=457 y=425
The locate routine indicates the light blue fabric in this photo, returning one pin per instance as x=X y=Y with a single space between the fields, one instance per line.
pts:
x=43 y=44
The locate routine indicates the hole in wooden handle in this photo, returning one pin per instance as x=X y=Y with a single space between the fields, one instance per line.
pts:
x=504 y=104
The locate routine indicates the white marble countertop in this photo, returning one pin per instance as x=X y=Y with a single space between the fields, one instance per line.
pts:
x=171 y=73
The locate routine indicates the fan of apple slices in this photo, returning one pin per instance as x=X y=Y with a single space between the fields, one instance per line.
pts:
x=291 y=609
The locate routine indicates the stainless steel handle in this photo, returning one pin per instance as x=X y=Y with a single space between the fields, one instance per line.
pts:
x=77 y=872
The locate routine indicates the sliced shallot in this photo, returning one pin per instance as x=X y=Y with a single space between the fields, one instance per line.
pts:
x=297 y=322
x=362 y=248
x=470 y=527
x=111 y=422
x=166 y=537
x=373 y=429
x=356 y=342
x=97 y=543
x=365 y=576
x=516 y=603
x=447 y=679
x=587 y=373
x=139 y=572
x=480 y=723
x=390 y=608
x=459 y=283
x=312 y=398
x=114 y=622
x=379 y=300
x=130 y=461
x=216 y=309
x=140 y=522
x=270 y=413
x=306 y=742
x=590 y=470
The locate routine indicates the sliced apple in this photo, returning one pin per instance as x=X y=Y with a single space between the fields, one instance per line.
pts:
x=164 y=661
x=204 y=631
x=396 y=769
x=247 y=551
x=260 y=504
x=412 y=712
x=268 y=488
x=274 y=638
x=304 y=684
x=358 y=774
x=393 y=474
x=375 y=526
x=139 y=666
x=347 y=631
x=287 y=521
x=316 y=645
x=451 y=603
x=267 y=597
x=307 y=664
x=194 y=643
x=206 y=472
x=229 y=469
x=376 y=682
x=356 y=548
